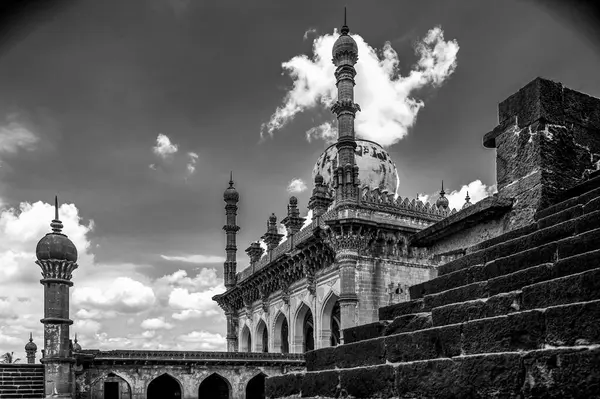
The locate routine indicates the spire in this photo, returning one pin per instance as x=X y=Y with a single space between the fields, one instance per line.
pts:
x=442 y=192
x=56 y=224
x=231 y=178
x=467 y=197
x=442 y=201
x=345 y=28
x=30 y=337
x=467 y=201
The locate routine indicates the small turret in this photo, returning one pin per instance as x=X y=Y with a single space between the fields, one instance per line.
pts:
x=293 y=222
x=76 y=346
x=467 y=202
x=255 y=252
x=30 y=349
x=272 y=237
x=320 y=199
x=442 y=201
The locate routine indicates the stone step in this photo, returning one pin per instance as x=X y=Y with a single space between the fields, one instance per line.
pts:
x=507 y=281
x=579 y=194
x=549 y=372
x=562 y=325
x=405 y=323
x=580 y=287
x=390 y=312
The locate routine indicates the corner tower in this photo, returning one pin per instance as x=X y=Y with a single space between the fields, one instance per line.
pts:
x=231 y=198
x=345 y=174
x=57 y=256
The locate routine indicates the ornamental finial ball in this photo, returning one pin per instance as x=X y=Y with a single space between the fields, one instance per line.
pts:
x=56 y=245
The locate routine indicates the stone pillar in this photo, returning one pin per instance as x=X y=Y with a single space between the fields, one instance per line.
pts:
x=347 y=259
x=232 y=338
x=547 y=140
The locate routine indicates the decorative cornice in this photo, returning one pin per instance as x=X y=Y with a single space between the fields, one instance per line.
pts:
x=57 y=269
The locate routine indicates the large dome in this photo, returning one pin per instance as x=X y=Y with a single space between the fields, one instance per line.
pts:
x=375 y=167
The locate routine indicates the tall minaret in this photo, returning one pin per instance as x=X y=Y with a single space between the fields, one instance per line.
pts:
x=231 y=198
x=345 y=176
x=57 y=256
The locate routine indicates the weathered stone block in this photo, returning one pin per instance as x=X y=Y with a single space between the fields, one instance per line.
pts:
x=468 y=260
x=568 y=374
x=447 y=281
x=518 y=331
x=320 y=359
x=392 y=311
x=519 y=279
x=587 y=222
x=592 y=206
x=511 y=235
x=369 y=382
x=366 y=331
x=575 y=288
x=575 y=324
x=424 y=344
x=411 y=322
x=460 y=294
x=577 y=264
x=521 y=260
x=320 y=383
x=562 y=216
x=496 y=305
x=363 y=353
x=283 y=385
x=579 y=244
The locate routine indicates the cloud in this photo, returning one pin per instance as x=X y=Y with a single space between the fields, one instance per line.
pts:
x=201 y=302
x=325 y=131
x=387 y=99
x=204 y=340
x=309 y=218
x=164 y=147
x=14 y=136
x=456 y=198
x=206 y=278
x=200 y=259
x=152 y=166
x=191 y=165
x=296 y=185
x=124 y=295
x=308 y=32
x=157 y=323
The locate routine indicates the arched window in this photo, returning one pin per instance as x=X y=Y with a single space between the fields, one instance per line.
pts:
x=111 y=387
x=214 y=387
x=164 y=387
x=262 y=337
x=246 y=340
x=281 y=334
x=256 y=387
x=309 y=332
x=335 y=325
x=330 y=322
x=304 y=330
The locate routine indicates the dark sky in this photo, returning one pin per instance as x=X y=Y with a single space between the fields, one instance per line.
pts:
x=97 y=81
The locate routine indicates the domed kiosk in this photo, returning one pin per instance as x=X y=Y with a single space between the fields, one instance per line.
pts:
x=375 y=166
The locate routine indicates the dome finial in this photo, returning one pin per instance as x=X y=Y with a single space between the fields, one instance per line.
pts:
x=231 y=178
x=442 y=192
x=30 y=337
x=467 y=198
x=345 y=28
x=56 y=224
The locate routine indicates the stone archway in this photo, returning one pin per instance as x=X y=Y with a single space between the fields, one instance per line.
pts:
x=214 y=387
x=164 y=387
x=246 y=341
x=304 y=330
x=262 y=337
x=330 y=322
x=255 y=389
x=112 y=386
x=281 y=334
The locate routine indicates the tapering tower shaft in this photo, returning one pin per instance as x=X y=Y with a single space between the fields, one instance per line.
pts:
x=231 y=198
x=345 y=56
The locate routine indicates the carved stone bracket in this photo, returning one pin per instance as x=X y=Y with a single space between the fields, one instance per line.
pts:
x=247 y=304
x=58 y=269
x=264 y=297
x=284 y=285
x=342 y=238
x=308 y=268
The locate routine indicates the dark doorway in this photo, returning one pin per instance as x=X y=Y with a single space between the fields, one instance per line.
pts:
x=164 y=387
x=335 y=325
x=285 y=344
x=265 y=340
x=111 y=390
x=309 y=339
x=214 y=387
x=256 y=387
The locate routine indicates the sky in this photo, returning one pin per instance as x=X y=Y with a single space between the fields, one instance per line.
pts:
x=135 y=113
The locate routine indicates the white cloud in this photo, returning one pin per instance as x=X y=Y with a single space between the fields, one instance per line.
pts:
x=184 y=299
x=191 y=165
x=164 y=147
x=206 y=278
x=15 y=136
x=95 y=314
x=204 y=341
x=124 y=295
x=325 y=131
x=309 y=218
x=296 y=185
x=308 y=32
x=456 y=198
x=386 y=98
x=157 y=323
x=152 y=166
x=200 y=259
x=85 y=327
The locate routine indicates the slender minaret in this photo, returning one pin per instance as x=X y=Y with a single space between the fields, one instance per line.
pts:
x=30 y=349
x=57 y=256
x=345 y=175
x=231 y=198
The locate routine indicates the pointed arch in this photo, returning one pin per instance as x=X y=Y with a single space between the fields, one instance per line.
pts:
x=165 y=386
x=304 y=329
x=246 y=340
x=330 y=321
x=262 y=337
x=110 y=386
x=255 y=389
x=281 y=334
x=214 y=386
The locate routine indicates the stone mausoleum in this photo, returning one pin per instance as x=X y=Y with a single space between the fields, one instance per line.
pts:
x=380 y=296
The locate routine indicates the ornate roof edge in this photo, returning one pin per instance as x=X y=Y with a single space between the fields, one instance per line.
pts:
x=401 y=205
x=486 y=209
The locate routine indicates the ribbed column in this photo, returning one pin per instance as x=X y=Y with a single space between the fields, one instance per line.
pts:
x=347 y=261
x=232 y=340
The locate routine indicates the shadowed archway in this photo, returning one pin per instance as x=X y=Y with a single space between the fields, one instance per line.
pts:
x=112 y=386
x=164 y=387
x=256 y=387
x=246 y=342
x=304 y=330
x=262 y=337
x=281 y=342
x=214 y=387
x=330 y=322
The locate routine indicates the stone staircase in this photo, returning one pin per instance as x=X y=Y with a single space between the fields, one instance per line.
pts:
x=21 y=381
x=517 y=317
